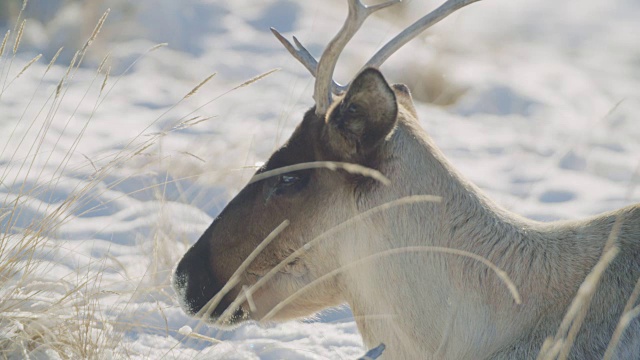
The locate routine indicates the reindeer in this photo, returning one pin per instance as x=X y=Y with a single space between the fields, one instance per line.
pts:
x=361 y=207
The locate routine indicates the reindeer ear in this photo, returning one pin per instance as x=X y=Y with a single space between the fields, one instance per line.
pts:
x=360 y=122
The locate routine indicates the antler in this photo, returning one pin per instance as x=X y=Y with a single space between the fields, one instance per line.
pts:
x=323 y=71
x=415 y=29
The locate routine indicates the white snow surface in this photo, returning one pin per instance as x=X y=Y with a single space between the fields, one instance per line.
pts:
x=545 y=120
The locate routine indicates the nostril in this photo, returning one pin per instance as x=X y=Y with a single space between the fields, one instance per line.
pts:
x=193 y=281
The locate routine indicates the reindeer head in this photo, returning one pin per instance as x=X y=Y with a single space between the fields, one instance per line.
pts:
x=286 y=229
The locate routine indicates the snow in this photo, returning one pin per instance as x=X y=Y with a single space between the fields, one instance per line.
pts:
x=536 y=102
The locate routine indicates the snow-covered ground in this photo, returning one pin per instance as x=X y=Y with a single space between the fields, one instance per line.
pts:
x=537 y=102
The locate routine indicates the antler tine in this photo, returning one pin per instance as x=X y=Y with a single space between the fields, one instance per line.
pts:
x=305 y=58
x=415 y=29
x=358 y=13
x=299 y=52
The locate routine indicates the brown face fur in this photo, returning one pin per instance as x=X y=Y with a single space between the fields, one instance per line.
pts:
x=312 y=200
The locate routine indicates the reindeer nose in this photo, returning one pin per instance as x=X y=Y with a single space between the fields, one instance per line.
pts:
x=193 y=280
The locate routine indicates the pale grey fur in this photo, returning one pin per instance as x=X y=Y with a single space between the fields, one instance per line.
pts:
x=430 y=295
x=421 y=304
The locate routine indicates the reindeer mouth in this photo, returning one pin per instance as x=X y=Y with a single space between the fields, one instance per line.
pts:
x=224 y=315
x=238 y=316
x=225 y=318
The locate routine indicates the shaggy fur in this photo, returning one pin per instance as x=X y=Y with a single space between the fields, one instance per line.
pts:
x=421 y=304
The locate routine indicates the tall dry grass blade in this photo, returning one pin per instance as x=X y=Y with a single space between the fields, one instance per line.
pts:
x=545 y=349
x=632 y=298
x=588 y=287
x=75 y=63
x=84 y=348
x=628 y=314
x=197 y=336
x=35 y=118
x=106 y=78
x=104 y=171
x=142 y=133
x=330 y=165
x=194 y=156
x=586 y=292
x=4 y=42
x=246 y=83
x=96 y=30
x=59 y=88
x=195 y=89
x=103 y=62
x=624 y=322
x=28 y=65
x=66 y=75
x=22 y=71
x=157 y=46
x=254 y=79
x=408 y=200
x=252 y=304
x=191 y=122
x=573 y=319
x=43 y=131
x=24 y=6
x=403 y=250
x=141 y=150
x=16 y=44
x=77 y=60
x=235 y=278
x=90 y=162
x=54 y=59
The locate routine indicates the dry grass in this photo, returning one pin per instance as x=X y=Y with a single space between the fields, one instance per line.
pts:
x=40 y=317
x=67 y=316
x=560 y=346
x=67 y=319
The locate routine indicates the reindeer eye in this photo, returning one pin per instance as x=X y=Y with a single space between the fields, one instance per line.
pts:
x=289 y=184
x=288 y=180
